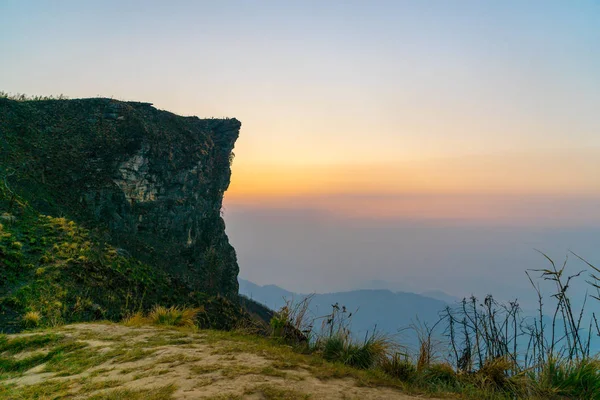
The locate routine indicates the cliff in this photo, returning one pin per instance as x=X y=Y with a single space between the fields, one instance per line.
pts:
x=146 y=183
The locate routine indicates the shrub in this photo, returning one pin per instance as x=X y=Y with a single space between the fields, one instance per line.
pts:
x=32 y=319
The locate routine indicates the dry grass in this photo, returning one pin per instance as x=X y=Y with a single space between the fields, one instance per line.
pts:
x=135 y=319
x=166 y=316
x=32 y=319
x=173 y=316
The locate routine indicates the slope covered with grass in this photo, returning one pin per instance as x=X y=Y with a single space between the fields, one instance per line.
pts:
x=53 y=271
x=110 y=361
x=137 y=360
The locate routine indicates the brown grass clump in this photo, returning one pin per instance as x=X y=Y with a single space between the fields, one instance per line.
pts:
x=173 y=316
x=32 y=319
x=166 y=316
x=135 y=319
x=495 y=372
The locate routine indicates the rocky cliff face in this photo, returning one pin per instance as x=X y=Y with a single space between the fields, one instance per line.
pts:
x=146 y=181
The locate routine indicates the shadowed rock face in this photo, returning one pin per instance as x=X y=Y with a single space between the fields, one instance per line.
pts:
x=148 y=181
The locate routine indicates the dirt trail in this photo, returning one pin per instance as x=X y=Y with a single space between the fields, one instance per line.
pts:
x=193 y=366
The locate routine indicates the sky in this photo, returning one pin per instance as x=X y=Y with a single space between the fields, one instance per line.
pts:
x=362 y=121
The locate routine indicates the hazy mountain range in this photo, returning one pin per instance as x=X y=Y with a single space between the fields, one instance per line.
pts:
x=382 y=309
x=388 y=311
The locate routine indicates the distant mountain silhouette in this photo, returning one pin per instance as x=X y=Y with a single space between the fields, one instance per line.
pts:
x=270 y=295
x=389 y=312
x=408 y=288
x=443 y=296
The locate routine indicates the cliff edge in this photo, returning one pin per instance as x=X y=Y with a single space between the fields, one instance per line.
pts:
x=146 y=182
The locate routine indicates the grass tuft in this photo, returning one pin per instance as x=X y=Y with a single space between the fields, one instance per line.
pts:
x=571 y=380
x=364 y=355
x=136 y=319
x=32 y=319
x=399 y=367
x=173 y=316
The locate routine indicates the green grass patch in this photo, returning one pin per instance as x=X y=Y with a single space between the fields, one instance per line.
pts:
x=75 y=360
x=50 y=389
x=12 y=366
x=27 y=343
x=78 y=360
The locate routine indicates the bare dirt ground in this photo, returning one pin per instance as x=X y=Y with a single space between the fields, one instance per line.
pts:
x=187 y=365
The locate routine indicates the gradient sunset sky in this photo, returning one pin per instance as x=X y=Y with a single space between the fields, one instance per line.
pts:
x=480 y=111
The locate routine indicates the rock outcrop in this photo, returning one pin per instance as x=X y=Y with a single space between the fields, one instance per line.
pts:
x=149 y=182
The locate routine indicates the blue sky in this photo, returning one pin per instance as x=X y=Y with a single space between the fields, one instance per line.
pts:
x=480 y=113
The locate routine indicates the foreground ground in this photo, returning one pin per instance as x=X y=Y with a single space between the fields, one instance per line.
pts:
x=110 y=361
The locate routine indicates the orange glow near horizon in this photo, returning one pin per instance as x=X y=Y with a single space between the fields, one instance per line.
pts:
x=570 y=174
x=549 y=188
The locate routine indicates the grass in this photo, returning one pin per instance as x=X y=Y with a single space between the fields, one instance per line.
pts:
x=493 y=350
x=50 y=389
x=165 y=316
x=59 y=389
x=571 y=381
x=11 y=366
x=285 y=357
x=368 y=363
x=27 y=343
x=399 y=367
x=32 y=319
x=363 y=355
x=89 y=386
x=68 y=357
x=54 y=272
x=64 y=356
